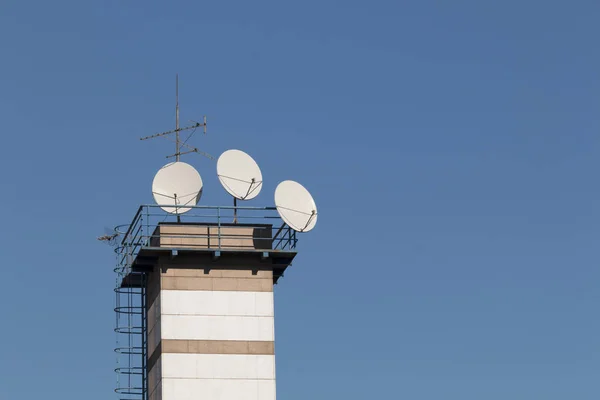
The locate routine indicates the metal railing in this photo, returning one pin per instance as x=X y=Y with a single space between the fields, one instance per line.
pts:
x=270 y=231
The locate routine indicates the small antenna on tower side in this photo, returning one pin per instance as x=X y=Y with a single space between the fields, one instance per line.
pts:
x=178 y=129
x=110 y=236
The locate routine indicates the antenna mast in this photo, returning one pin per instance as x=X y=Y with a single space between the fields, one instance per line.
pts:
x=177 y=117
x=178 y=143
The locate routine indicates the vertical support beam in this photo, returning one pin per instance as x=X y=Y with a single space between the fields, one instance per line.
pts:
x=144 y=315
x=235 y=210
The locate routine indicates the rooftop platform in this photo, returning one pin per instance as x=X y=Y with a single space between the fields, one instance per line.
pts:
x=205 y=238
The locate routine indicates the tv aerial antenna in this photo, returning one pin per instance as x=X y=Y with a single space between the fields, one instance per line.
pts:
x=178 y=142
x=110 y=236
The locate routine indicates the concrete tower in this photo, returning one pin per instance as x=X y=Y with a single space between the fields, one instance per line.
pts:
x=207 y=295
x=195 y=311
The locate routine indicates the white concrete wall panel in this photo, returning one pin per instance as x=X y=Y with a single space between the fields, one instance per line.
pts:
x=231 y=303
x=218 y=389
x=218 y=366
x=199 y=327
x=215 y=315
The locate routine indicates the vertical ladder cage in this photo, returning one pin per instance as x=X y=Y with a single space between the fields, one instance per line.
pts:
x=131 y=332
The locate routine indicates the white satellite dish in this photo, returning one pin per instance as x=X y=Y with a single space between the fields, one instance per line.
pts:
x=176 y=187
x=239 y=174
x=296 y=206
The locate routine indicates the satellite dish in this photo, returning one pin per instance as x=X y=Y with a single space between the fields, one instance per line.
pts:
x=239 y=174
x=296 y=206
x=179 y=185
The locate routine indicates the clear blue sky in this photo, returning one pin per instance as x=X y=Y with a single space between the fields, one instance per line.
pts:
x=452 y=146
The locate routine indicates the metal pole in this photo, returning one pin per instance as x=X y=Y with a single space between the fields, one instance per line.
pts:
x=144 y=343
x=235 y=210
x=219 y=226
x=177 y=116
x=177 y=209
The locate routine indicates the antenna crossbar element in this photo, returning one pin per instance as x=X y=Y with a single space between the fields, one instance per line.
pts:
x=196 y=125
x=193 y=150
x=178 y=142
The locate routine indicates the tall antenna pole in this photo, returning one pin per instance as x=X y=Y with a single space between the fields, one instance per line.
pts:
x=177 y=116
x=178 y=142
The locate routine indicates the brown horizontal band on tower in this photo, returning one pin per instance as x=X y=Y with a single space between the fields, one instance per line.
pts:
x=193 y=277
x=199 y=271
x=239 y=347
x=217 y=284
x=218 y=347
